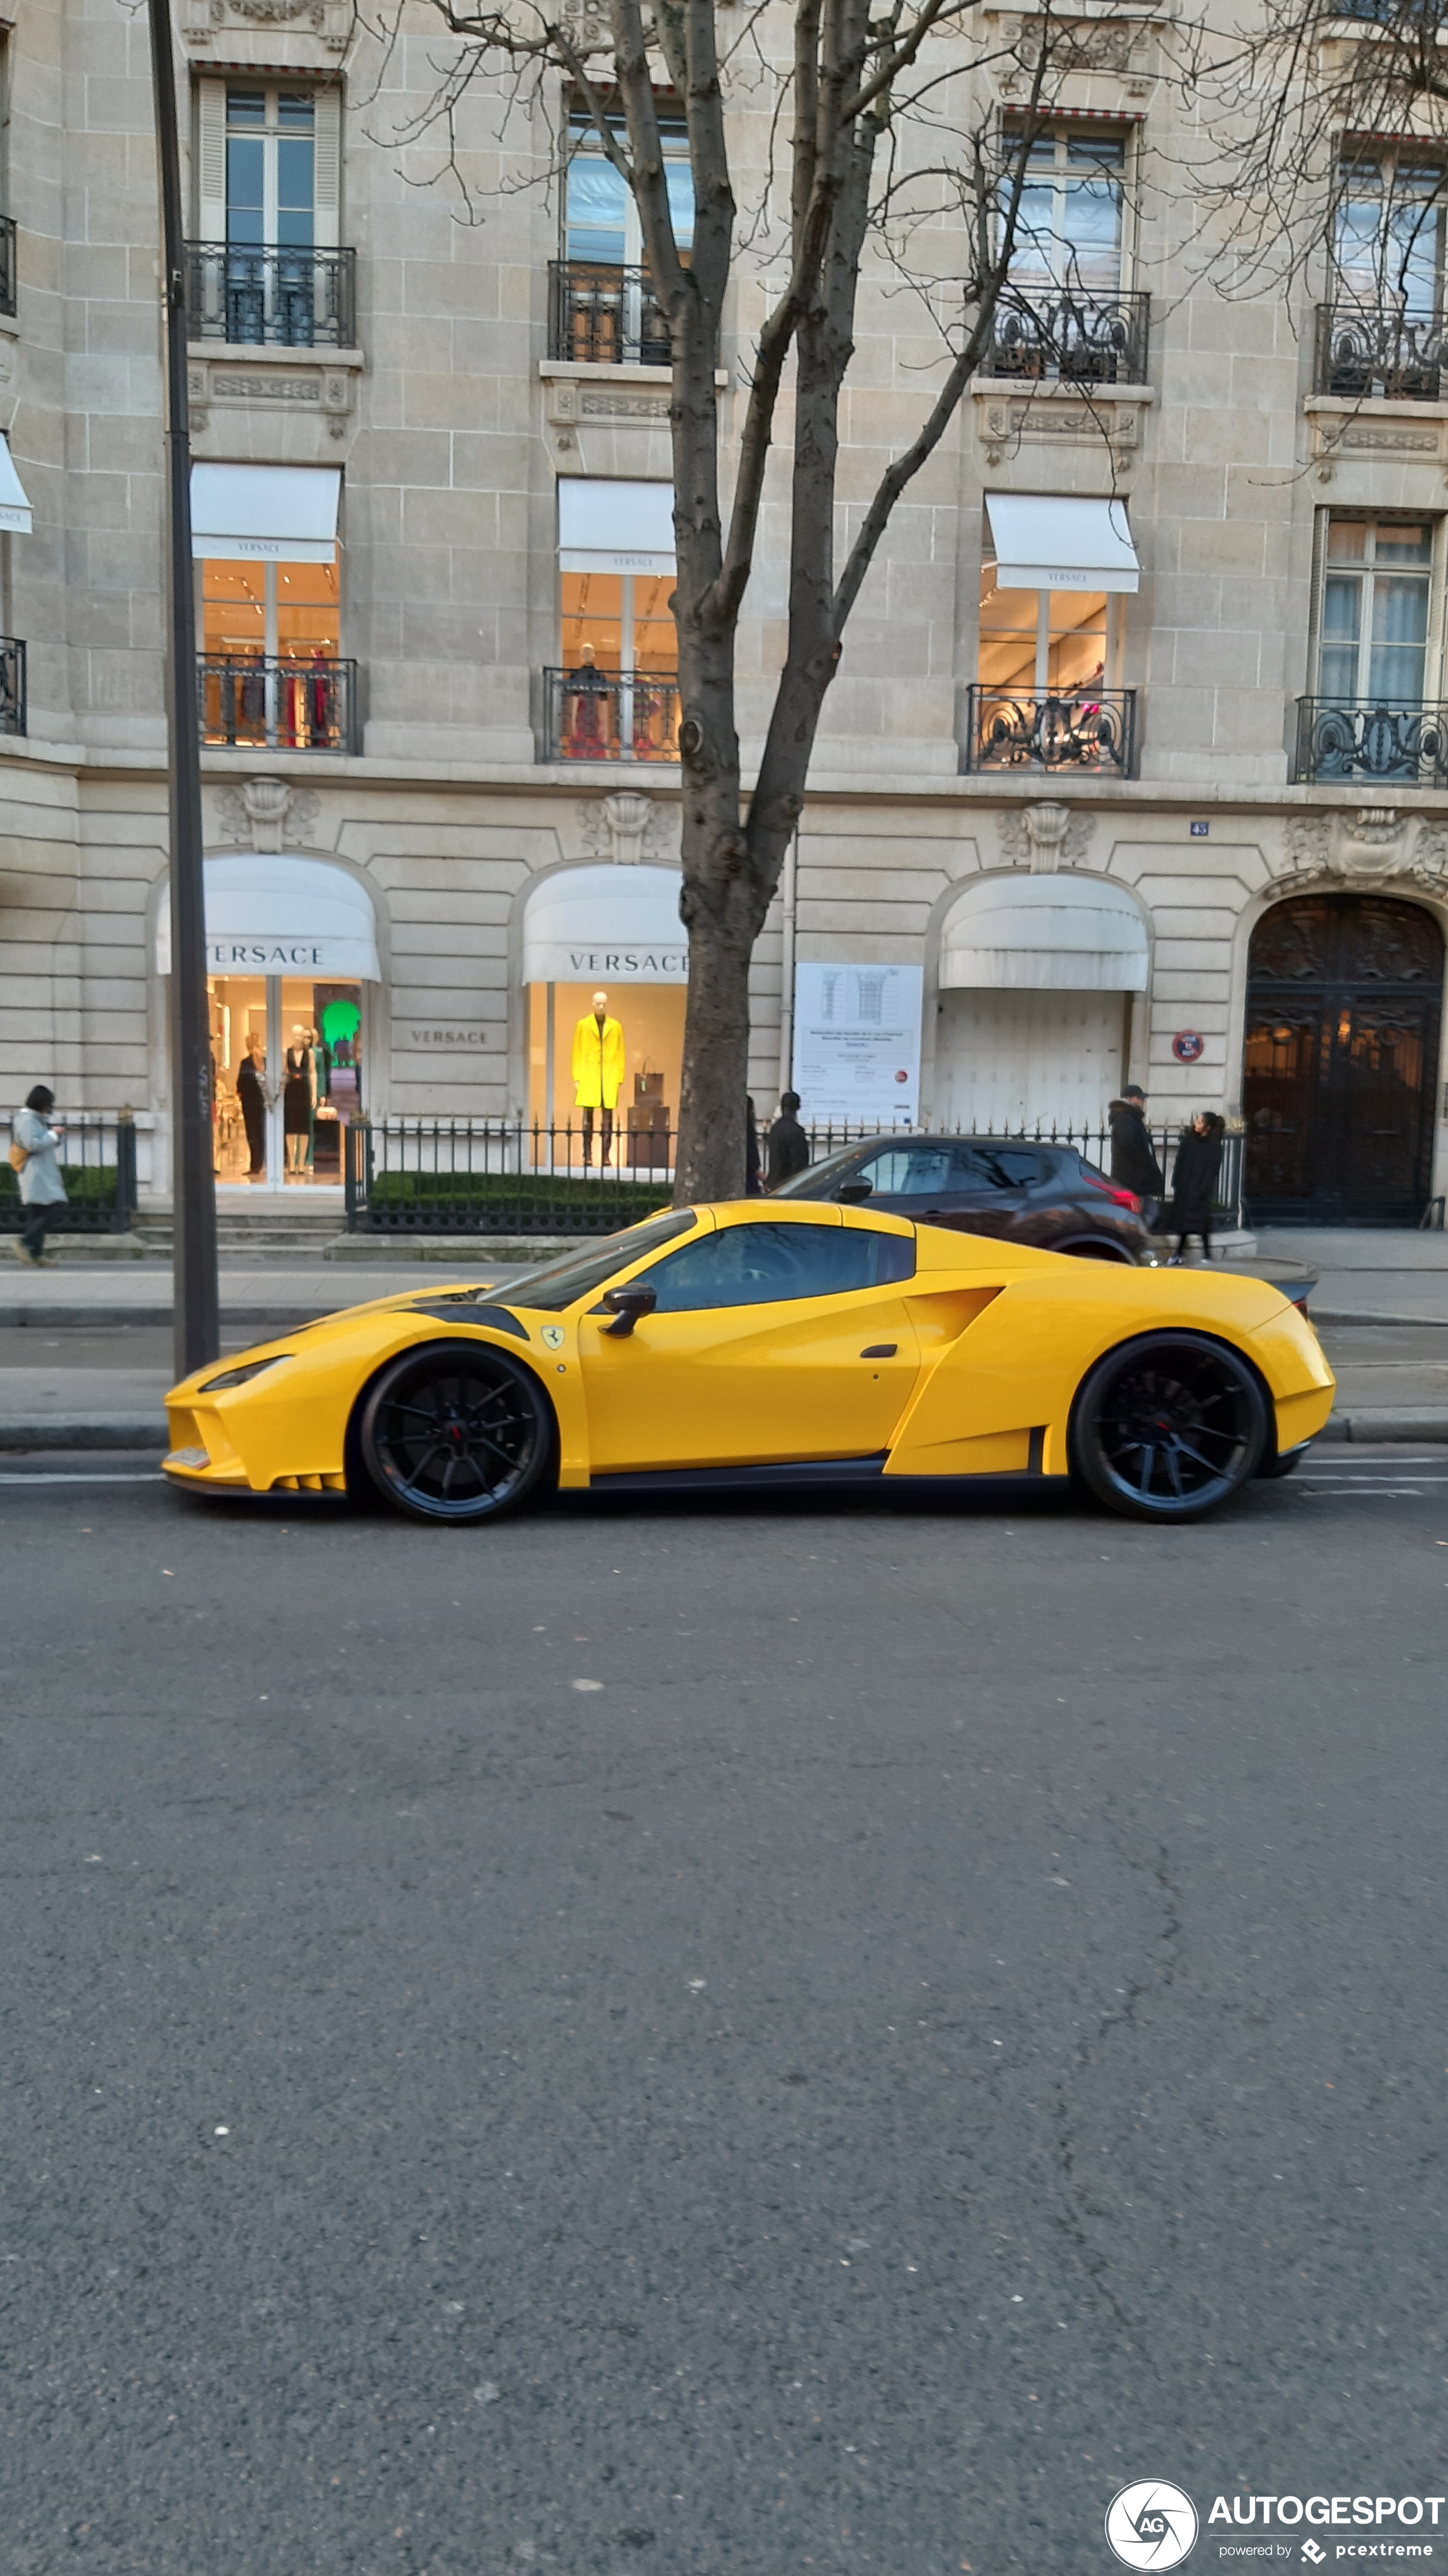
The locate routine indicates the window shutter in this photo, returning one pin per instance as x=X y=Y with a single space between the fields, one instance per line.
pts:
x=327 y=133
x=211 y=160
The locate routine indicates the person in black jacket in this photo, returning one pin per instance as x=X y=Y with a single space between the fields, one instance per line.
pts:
x=788 y=1145
x=1133 y=1156
x=1194 y=1181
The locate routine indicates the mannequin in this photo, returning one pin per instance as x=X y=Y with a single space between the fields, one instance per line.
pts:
x=297 y=1103
x=251 y=1092
x=597 y=1074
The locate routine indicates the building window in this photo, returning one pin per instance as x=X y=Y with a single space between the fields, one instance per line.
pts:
x=1375 y=611
x=271 y=645
x=1387 y=248
x=267 y=263
x=1071 y=217
x=601 y=220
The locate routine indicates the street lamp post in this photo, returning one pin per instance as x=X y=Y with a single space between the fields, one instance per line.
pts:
x=193 y=1187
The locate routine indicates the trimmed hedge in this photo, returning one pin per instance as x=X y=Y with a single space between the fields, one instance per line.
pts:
x=530 y=1201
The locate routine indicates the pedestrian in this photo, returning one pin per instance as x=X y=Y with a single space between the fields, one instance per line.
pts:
x=752 y=1183
x=1194 y=1182
x=35 y=1154
x=788 y=1145
x=251 y=1092
x=1133 y=1155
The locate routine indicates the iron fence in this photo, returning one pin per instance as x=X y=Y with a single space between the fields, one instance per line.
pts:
x=611 y=715
x=278 y=705
x=255 y=296
x=7 y=263
x=1071 y=336
x=496 y=1176
x=602 y=315
x=1393 y=353
x=1379 y=740
x=1087 y=729
x=98 y=1159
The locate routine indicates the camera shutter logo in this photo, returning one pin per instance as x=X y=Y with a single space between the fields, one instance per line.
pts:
x=1151 y=2524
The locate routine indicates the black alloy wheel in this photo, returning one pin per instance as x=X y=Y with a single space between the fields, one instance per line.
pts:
x=1169 y=1426
x=455 y=1431
x=1095 y=1247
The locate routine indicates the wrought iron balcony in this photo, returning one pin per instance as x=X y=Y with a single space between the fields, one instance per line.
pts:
x=7 y=263
x=1070 y=336
x=1385 y=350
x=604 y=316
x=278 y=705
x=611 y=715
x=1372 y=740
x=12 y=684
x=1089 y=729
x=255 y=297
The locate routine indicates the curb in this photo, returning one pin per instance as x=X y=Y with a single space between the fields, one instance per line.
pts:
x=1405 y=1422
x=84 y=1431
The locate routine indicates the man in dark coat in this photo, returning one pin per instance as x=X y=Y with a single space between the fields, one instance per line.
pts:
x=1133 y=1156
x=1194 y=1181
x=788 y=1148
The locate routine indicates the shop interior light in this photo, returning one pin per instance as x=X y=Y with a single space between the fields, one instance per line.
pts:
x=239 y=1376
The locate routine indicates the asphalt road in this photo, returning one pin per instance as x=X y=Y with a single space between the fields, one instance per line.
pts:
x=713 y=2039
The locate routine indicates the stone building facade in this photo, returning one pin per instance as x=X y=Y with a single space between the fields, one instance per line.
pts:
x=1153 y=649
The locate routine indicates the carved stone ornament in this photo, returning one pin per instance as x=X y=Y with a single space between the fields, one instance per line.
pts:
x=1123 y=46
x=629 y=829
x=1306 y=846
x=588 y=26
x=265 y=813
x=329 y=19
x=1429 y=865
x=1369 y=847
x=1046 y=837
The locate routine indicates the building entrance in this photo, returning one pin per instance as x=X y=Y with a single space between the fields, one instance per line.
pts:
x=286 y=1054
x=1344 y=1000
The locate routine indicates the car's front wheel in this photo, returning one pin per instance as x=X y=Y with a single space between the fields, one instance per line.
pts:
x=1169 y=1426
x=455 y=1431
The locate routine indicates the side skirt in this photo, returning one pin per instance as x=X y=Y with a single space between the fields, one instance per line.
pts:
x=704 y=1480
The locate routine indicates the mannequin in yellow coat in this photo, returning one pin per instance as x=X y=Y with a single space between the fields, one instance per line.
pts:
x=597 y=1074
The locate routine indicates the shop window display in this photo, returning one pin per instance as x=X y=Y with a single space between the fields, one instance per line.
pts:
x=286 y=1059
x=642 y=1069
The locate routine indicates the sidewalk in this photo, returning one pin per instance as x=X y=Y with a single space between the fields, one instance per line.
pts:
x=85 y=1356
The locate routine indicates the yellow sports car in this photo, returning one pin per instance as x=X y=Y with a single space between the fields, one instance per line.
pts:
x=760 y=1344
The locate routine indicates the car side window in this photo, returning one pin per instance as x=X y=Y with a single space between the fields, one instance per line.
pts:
x=764 y=1265
x=908 y=1172
x=1008 y=1167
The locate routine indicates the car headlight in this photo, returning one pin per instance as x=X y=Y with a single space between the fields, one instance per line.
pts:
x=239 y=1376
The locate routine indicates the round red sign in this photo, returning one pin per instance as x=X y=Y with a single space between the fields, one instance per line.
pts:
x=1187 y=1045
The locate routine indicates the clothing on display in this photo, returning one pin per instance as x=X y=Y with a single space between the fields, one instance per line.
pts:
x=251 y=1093
x=598 y=1062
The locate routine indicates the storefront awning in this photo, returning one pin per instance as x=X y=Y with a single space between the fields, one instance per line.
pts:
x=1049 y=542
x=282 y=916
x=604 y=526
x=271 y=513
x=1060 y=934
x=606 y=925
x=14 y=507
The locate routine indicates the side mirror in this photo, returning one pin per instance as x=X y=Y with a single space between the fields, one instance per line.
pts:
x=850 y=1191
x=628 y=1306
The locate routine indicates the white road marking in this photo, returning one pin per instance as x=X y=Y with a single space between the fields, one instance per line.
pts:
x=153 y=1477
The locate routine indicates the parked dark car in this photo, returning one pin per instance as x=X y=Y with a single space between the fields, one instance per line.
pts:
x=1047 y=1195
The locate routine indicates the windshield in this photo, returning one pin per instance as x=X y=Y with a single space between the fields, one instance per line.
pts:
x=552 y=1285
x=806 y=1185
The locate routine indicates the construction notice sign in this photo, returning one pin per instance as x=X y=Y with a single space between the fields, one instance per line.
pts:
x=857 y=1044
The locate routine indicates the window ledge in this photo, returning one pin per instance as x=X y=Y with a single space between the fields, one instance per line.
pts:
x=1055 y=389
x=1013 y=413
x=1373 y=407
x=1347 y=430
x=262 y=353
x=576 y=371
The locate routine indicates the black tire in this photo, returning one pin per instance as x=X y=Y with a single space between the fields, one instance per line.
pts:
x=455 y=1431
x=1093 y=1247
x=1169 y=1427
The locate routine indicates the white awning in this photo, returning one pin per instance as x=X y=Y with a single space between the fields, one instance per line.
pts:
x=1060 y=934
x=606 y=925
x=282 y=916
x=1049 y=542
x=14 y=507
x=278 y=513
x=604 y=526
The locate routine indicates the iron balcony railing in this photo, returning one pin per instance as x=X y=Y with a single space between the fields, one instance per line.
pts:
x=1387 y=351
x=611 y=715
x=255 y=296
x=278 y=705
x=1071 y=336
x=7 y=263
x=1086 y=729
x=605 y=316
x=495 y=1176
x=12 y=684
x=98 y=1165
x=1372 y=739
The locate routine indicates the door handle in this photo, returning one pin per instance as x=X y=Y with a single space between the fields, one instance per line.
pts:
x=880 y=1351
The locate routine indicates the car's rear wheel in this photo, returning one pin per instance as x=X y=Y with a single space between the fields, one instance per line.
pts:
x=1169 y=1426
x=1091 y=1247
x=455 y=1431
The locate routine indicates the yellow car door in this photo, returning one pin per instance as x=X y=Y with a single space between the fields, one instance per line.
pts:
x=772 y=1339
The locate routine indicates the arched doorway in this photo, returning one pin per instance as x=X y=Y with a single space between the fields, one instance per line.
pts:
x=1344 y=997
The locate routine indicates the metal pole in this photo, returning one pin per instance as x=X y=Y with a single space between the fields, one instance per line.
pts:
x=196 y=1314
